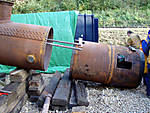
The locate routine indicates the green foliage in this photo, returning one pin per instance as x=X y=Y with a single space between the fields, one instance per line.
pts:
x=32 y=6
x=123 y=18
x=26 y=6
x=111 y=13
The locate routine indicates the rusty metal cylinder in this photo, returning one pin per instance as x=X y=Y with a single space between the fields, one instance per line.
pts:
x=110 y=65
x=5 y=10
x=23 y=45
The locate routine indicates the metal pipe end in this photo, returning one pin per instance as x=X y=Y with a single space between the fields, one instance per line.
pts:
x=48 y=50
x=5 y=10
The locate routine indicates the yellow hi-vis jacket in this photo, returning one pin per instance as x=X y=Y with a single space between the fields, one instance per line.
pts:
x=147 y=59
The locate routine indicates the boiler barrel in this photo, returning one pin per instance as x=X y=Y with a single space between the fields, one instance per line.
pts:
x=107 y=64
x=23 y=45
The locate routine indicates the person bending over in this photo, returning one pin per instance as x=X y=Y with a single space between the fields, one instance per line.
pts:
x=135 y=41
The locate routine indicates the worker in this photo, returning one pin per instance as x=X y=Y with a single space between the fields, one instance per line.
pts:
x=133 y=40
x=144 y=45
x=146 y=49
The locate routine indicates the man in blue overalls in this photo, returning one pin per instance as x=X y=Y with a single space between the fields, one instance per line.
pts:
x=146 y=48
x=135 y=41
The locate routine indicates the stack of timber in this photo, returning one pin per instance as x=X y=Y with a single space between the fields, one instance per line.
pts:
x=63 y=93
x=13 y=102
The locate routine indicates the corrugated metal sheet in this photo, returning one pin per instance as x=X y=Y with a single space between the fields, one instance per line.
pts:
x=87 y=28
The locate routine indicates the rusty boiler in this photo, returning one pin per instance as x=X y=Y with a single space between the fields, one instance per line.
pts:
x=23 y=45
x=110 y=65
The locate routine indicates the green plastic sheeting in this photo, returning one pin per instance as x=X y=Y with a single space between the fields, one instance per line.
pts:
x=64 y=26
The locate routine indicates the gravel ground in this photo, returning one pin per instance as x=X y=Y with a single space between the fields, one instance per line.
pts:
x=104 y=99
x=107 y=99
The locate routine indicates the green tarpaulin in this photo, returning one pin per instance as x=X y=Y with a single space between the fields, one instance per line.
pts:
x=64 y=25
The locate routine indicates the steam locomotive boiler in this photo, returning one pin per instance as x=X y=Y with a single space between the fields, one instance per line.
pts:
x=111 y=65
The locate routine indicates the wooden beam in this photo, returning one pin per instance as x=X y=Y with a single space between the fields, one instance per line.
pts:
x=81 y=94
x=18 y=75
x=62 y=93
x=79 y=109
x=20 y=104
x=59 y=108
x=9 y=102
x=35 y=85
x=73 y=100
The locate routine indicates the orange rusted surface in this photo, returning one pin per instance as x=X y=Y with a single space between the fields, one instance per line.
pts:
x=100 y=63
x=5 y=10
x=23 y=45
